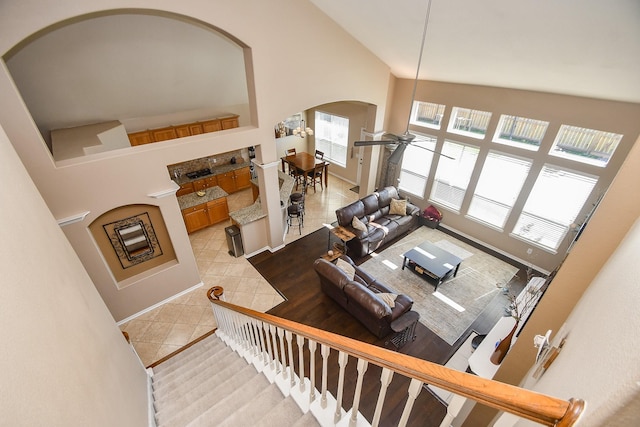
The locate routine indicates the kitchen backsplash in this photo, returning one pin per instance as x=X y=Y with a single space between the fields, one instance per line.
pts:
x=207 y=162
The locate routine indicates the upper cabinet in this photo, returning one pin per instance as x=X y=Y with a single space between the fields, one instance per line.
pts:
x=183 y=130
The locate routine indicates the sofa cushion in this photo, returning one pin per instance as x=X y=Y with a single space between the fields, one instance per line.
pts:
x=398 y=207
x=389 y=299
x=345 y=215
x=357 y=224
x=371 y=206
x=348 y=269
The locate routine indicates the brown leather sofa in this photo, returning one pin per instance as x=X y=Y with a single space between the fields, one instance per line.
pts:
x=359 y=296
x=380 y=225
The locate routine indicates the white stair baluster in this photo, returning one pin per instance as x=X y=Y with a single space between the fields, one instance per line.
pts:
x=414 y=390
x=273 y=349
x=312 y=370
x=324 y=351
x=300 y=342
x=385 y=380
x=343 y=359
x=362 y=368
x=283 y=356
x=289 y=336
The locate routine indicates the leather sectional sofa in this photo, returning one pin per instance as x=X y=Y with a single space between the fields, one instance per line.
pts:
x=378 y=223
x=362 y=296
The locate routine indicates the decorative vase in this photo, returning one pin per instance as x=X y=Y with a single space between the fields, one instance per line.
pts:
x=503 y=347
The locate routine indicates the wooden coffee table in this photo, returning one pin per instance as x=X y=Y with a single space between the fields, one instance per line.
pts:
x=429 y=260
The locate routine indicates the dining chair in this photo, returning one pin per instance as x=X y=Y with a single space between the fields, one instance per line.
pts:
x=315 y=177
x=319 y=155
x=291 y=152
x=296 y=174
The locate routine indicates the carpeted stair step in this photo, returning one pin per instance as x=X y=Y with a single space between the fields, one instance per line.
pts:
x=190 y=405
x=287 y=413
x=212 y=377
x=207 y=364
x=184 y=357
x=252 y=411
x=227 y=404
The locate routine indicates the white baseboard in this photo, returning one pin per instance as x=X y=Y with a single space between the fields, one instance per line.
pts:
x=161 y=303
x=486 y=245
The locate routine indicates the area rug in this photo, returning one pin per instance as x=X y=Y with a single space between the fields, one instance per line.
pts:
x=459 y=300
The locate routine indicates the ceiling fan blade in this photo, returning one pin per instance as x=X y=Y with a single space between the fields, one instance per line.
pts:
x=395 y=157
x=433 y=151
x=365 y=143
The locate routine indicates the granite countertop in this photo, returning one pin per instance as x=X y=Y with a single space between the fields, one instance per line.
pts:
x=217 y=170
x=192 y=199
x=254 y=212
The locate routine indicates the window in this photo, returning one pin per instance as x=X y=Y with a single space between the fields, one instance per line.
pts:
x=452 y=176
x=553 y=204
x=520 y=132
x=468 y=122
x=332 y=133
x=585 y=145
x=427 y=114
x=416 y=164
x=500 y=183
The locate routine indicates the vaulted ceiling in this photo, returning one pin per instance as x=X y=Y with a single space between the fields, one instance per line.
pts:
x=585 y=48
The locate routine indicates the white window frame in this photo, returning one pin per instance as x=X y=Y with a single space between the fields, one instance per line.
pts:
x=453 y=175
x=436 y=110
x=587 y=141
x=553 y=205
x=473 y=118
x=332 y=139
x=416 y=164
x=521 y=127
x=498 y=187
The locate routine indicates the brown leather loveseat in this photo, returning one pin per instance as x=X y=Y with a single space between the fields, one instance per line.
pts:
x=363 y=296
x=380 y=217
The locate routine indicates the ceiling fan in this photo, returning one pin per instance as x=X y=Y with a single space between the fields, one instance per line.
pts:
x=407 y=138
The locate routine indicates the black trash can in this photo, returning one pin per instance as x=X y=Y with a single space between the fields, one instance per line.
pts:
x=234 y=241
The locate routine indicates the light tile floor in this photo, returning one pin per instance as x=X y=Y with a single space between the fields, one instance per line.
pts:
x=160 y=331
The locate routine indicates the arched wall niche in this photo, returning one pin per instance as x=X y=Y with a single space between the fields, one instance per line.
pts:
x=144 y=69
x=132 y=240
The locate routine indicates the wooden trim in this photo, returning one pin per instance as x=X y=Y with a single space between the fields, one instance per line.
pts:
x=524 y=403
x=181 y=349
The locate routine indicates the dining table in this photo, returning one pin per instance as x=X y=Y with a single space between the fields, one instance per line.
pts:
x=306 y=164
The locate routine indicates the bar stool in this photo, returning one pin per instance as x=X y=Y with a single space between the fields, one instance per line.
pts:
x=295 y=211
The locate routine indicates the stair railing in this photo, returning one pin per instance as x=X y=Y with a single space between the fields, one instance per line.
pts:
x=256 y=337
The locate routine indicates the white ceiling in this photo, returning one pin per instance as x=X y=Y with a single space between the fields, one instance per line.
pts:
x=585 y=48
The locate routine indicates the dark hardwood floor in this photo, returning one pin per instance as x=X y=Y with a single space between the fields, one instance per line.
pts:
x=290 y=271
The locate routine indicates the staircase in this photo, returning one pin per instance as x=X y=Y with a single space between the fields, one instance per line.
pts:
x=209 y=384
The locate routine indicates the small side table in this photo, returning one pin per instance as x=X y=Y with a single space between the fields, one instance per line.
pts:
x=404 y=328
x=341 y=233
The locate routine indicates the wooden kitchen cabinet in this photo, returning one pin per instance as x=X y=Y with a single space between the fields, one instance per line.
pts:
x=211 y=125
x=185 y=188
x=218 y=210
x=204 y=183
x=140 y=138
x=196 y=218
x=242 y=178
x=209 y=213
x=182 y=131
x=235 y=180
x=164 y=134
x=229 y=122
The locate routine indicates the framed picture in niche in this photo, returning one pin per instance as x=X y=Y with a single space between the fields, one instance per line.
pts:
x=133 y=239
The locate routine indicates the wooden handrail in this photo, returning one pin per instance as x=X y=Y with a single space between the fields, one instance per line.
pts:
x=524 y=403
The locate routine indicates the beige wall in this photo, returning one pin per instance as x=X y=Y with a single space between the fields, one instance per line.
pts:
x=108 y=180
x=64 y=362
x=600 y=275
x=618 y=117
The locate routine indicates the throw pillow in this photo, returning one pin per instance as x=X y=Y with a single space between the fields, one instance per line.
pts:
x=357 y=224
x=389 y=299
x=348 y=269
x=398 y=207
